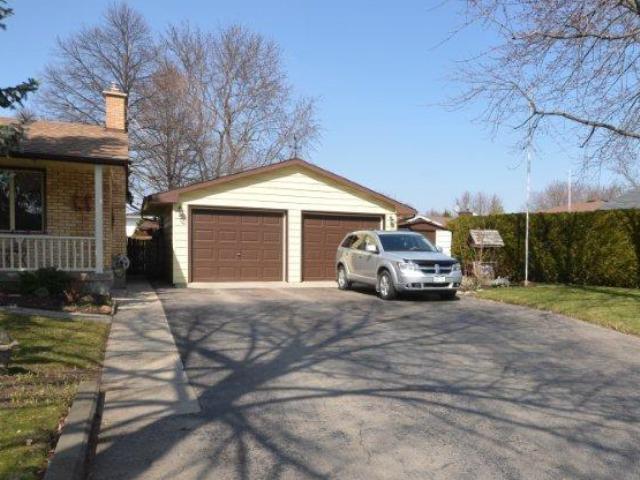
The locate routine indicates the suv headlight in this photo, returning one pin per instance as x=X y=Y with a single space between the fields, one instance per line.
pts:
x=406 y=267
x=455 y=267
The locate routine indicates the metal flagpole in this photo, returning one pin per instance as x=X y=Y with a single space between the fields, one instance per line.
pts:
x=526 y=234
x=569 y=192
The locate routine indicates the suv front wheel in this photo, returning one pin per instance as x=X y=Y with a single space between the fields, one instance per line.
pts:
x=385 y=286
x=343 y=280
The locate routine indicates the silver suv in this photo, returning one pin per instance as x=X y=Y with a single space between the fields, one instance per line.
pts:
x=394 y=262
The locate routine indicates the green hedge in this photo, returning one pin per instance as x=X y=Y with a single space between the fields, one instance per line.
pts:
x=589 y=248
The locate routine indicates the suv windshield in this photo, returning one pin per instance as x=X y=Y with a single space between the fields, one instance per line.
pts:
x=402 y=242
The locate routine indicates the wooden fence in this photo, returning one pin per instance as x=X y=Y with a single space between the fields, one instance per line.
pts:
x=147 y=257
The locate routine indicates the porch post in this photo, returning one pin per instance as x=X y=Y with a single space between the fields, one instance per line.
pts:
x=98 y=207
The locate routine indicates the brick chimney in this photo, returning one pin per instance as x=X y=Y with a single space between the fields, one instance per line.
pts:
x=115 y=108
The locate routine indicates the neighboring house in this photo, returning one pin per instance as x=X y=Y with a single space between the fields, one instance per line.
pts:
x=146 y=229
x=281 y=222
x=435 y=231
x=140 y=228
x=628 y=200
x=51 y=188
x=132 y=223
x=588 y=206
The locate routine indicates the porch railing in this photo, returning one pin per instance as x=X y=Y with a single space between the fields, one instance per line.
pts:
x=31 y=252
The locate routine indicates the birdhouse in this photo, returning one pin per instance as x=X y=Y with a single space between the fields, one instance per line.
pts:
x=485 y=245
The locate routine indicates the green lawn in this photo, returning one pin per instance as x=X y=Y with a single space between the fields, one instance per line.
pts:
x=617 y=308
x=54 y=355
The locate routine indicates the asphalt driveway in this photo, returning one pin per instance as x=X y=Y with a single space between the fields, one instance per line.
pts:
x=318 y=383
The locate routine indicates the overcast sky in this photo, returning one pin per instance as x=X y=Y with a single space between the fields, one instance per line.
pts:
x=377 y=70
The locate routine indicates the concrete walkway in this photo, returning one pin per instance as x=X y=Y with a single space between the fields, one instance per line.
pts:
x=143 y=377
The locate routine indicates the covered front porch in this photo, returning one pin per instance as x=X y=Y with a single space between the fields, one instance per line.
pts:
x=53 y=215
x=31 y=252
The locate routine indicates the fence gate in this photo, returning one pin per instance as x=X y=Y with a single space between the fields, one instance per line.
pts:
x=147 y=257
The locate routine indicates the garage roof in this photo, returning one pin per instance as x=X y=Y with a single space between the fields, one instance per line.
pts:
x=171 y=196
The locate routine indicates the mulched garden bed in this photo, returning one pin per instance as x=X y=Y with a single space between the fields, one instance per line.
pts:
x=54 y=302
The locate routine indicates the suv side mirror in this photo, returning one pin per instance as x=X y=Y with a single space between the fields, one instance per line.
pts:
x=370 y=248
x=438 y=248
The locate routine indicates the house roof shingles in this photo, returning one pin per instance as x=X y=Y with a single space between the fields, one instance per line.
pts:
x=68 y=141
x=589 y=206
x=628 y=200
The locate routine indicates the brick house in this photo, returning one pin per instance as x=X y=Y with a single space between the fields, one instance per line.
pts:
x=51 y=188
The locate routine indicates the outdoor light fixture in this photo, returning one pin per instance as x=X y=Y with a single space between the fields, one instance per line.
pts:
x=180 y=211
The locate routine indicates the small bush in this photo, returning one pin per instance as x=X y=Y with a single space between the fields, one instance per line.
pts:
x=53 y=280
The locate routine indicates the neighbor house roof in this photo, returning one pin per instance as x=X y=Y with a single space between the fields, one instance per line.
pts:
x=50 y=140
x=424 y=219
x=485 y=238
x=444 y=221
x=589 y=206
x=171 y=196
x=630 y=199
x=146 y=229
x=149 y=225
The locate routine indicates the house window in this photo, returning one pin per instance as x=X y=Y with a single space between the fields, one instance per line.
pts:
x=21 y=200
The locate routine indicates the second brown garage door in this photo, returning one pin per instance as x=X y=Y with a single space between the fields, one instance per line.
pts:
x=229 y=246
x=321 y=235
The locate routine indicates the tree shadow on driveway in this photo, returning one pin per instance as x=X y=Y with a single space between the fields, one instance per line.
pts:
x=315 y=383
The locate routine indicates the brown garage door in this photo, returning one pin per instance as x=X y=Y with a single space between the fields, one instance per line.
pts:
x=321 y=235
x=230 y=246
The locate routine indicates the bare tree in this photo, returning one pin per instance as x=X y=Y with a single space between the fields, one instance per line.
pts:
x=556 y=194
x=560 y=63
x=200 y=105
x=434 y=212
x=120 y=50
x=479 y=203
x=164 y=132
x=242 y=99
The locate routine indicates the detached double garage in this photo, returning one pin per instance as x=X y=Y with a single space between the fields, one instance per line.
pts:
x=277 y=223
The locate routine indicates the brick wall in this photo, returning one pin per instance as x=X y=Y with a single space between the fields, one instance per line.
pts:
x=69 y=201
x=115 y=110
x=118 y=218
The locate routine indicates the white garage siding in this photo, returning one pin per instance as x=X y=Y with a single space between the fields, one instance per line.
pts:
x=443 y=240
x=293 y=190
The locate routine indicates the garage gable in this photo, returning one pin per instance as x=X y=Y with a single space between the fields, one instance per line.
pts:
x=298 y=177
x=285 y=188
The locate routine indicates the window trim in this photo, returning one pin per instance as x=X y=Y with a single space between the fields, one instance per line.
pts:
x=12 y=200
